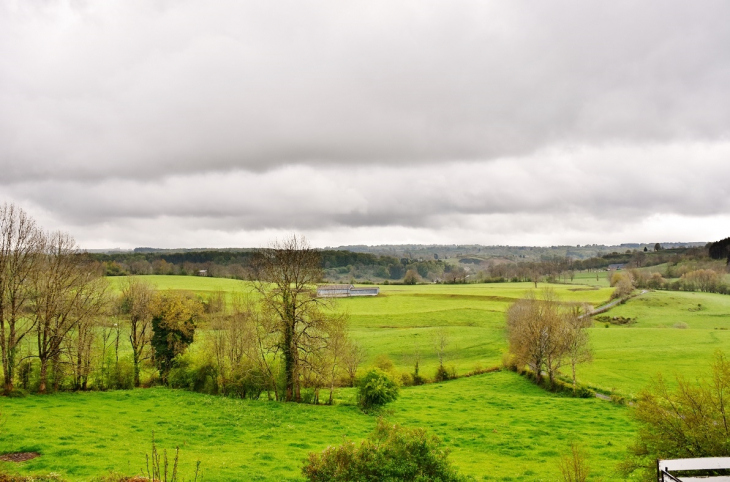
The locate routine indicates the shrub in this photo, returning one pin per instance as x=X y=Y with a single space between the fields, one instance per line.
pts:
x=443 y=374
x=391 y=453
x=384 y=363
x=376 y=388
x=624 y=283
x=245 y=382
x=683 y=422
x=573 y=467
x=202 y=378
x=509 y=361
x=118 y=375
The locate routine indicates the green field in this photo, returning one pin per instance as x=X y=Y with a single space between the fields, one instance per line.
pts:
x=674 y=333
x=499 y=425
x=403 y=320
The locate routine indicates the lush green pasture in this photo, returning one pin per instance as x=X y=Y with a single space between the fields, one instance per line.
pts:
x=674 y=333
x=403 y=322
x=592 y=278
x=499 y=426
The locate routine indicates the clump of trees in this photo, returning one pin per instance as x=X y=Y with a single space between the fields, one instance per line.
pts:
x=544 y=334
x=62 y=328
x=707 y=280
x=720 y=249
x=623 y=281
x=392 y=452
x=49 y=292
x=692 y=420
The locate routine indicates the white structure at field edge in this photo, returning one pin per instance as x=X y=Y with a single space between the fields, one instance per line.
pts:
x=345 y=291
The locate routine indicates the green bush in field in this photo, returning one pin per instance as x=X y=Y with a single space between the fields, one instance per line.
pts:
x=687 y=422
x=443 y=374
x=376 y=388
x=201 y=378
x=118 y=375
x=391 y=453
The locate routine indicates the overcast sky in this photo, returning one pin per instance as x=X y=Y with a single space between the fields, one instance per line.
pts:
x=180 y=123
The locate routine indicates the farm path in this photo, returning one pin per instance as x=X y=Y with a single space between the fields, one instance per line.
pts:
x=611 y=304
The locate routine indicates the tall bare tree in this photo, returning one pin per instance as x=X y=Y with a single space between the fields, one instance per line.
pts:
x=20 y=245
x=538 y=331
x=285 y=278
x=68 y=290
x=80 y=353
x=136 y=303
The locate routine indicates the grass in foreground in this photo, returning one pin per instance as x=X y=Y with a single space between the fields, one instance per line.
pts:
x=499 y=426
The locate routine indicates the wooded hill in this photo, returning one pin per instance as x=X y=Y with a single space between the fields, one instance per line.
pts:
x=473 y=265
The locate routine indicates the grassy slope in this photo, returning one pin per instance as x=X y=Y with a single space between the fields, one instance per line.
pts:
x=404 y=320
x=628 y=357
x=499 y=426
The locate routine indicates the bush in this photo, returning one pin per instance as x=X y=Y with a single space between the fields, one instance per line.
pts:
x=118 y=375
x=684 y=422
x=391 y=453
x=376 y=388
x=185 y=375
x=245 y=382
x=443 y=374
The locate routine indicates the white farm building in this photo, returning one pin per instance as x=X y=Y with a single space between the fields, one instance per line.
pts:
x=344 y=291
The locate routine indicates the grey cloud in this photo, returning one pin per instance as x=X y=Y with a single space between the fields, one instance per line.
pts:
x=148 y=90
x=620 y=184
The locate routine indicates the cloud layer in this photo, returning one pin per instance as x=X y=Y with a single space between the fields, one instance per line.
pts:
x=227 y=122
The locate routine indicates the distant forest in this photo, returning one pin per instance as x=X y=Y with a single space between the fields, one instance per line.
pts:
x=418 y=264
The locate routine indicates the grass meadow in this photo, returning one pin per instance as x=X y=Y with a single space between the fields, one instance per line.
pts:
x=498 y=425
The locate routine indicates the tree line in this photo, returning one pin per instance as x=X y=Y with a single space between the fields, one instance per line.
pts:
x=63 y=327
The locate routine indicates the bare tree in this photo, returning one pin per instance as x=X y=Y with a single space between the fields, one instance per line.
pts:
x=354 y=357
x=136 y=303
x=440 y=342
x=578 y=349
x=285 y=278
x=80 y=352
x=336 y=351
x=537 y=331
x=67 y=291
x=20 y=245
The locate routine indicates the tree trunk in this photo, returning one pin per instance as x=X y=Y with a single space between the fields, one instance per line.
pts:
x=289 y=363
x=575 y=385
x=3 y=351
x=135 y=360
x=56 y=373
x=43 y=376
